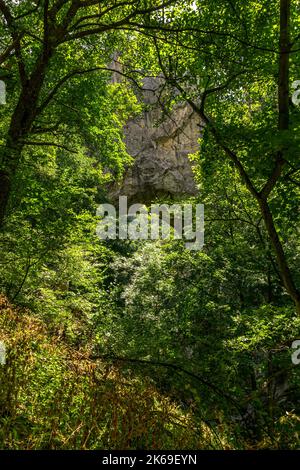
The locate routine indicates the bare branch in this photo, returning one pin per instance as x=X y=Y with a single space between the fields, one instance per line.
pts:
x=48 y=144
x=275 y=175
x=8 y=52
x=74 y=73
x=177 y=368
x=16 y=40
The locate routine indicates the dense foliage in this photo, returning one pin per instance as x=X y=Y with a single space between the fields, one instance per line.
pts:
x=124 y=344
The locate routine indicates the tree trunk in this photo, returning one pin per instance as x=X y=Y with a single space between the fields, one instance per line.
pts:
x=20 y=126
x=283 y=125
x=284 y=65
x=284 y=269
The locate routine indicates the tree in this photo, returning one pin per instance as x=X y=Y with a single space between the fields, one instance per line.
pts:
x=234 y=65
x=38 y=39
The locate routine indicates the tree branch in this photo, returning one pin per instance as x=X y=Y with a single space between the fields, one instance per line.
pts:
x=175 y=367
x=49 y=144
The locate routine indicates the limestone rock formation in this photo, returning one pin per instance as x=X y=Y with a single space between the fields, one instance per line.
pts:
x=160 y=148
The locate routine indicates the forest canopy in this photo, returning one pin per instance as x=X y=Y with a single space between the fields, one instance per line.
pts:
x=169 y=348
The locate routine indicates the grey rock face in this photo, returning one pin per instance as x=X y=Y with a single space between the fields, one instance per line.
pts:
x=160 y=148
